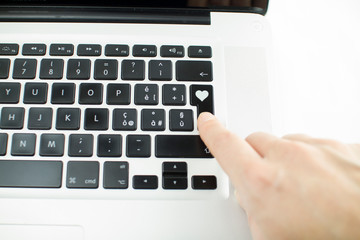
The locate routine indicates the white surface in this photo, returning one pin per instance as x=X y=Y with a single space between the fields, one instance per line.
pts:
x=40 y=232
x=317 y=56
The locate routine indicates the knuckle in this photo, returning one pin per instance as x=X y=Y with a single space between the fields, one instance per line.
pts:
x=286 y=151
x=254 y=135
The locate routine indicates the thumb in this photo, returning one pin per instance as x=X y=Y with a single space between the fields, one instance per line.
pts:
x=245 y=167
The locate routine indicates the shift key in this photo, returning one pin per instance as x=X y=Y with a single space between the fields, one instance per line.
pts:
x=181 y=146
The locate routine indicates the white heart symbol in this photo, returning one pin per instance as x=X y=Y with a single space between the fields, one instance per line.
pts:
x=202 y=95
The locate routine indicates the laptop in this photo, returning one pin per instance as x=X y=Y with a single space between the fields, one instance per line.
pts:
x=98 y=109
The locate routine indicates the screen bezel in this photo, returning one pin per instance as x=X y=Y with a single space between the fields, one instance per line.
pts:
x=128 y=4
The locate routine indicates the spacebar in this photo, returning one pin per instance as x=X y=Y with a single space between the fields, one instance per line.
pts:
x=30 y=174
x=180 y=146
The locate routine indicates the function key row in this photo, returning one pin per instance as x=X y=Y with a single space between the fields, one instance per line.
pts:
x=85 y=175
x=107 y=69
x=114 y=50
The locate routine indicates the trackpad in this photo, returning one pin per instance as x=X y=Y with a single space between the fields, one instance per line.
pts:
x=40 y=232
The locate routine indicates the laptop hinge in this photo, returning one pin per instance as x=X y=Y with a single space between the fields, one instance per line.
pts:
x=103 y=14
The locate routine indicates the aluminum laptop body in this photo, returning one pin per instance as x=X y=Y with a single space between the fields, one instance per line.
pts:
x=119 y=157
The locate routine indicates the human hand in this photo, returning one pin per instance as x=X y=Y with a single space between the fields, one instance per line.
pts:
x=295 y=187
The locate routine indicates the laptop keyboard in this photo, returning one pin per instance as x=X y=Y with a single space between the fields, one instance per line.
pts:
x=74 y=116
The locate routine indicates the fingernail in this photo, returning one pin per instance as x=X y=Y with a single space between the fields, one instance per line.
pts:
x=204 y=117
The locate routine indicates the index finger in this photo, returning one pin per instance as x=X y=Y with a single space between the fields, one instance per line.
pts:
x=238 y=159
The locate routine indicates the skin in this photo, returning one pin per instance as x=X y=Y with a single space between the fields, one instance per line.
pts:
x=294 y=187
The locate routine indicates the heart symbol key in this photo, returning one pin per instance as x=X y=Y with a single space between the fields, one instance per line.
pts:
x=201 y=95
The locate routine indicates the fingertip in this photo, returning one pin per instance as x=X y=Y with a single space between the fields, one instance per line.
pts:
x=204 y=117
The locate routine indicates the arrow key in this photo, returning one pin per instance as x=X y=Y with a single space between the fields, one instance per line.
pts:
x=175 y=168
x=175 y=183
x=145 y=182
x=204 y=182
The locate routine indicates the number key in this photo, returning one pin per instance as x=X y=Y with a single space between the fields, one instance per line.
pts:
x=106 y=69
x=24 y=68
x=78 y=69
x=51 y=69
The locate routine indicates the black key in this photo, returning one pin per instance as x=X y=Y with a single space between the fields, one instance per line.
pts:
x=24 y=68
x=138 y=146
x=175 y=168
x=96 y=119
x=144 y=51
x=202 y=97
x=172 y=51
x=9 y=92
x=181 y=120
x=160 y=70
x=82 y=174
x=118 y=94
x=91 y=93
x=12 y=118
x=4 y=68
x=31 y=174
x=125 y=119
x=115 y=50
x=3 y=143
x=52 y=145
x=61 y=49
x=109 y=145
x=78 y=69
x=40 y=118
x=116 y=175
x=145 y=182
x=194 y=71
x=51 y=69
x=23 y=144
x=35 y=93
x=174 y=94
x=31 y=49
x=68 y=119
x=63 y=93
x=204 y=182
x=146 y=94
x=200 y=52
x=153 y=119
x=175 y=175
x=106 y=69
x=171 y=182
x=81 y=145
x=181 y=146
x=9 y=49
x=133 y=70
x=89 y=50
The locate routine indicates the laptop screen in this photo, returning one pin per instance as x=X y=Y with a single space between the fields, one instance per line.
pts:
x=217 y=5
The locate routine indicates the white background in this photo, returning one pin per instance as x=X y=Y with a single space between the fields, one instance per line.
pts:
x=316 y=89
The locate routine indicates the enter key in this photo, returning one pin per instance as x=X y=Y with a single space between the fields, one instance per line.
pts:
x=202 y=97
